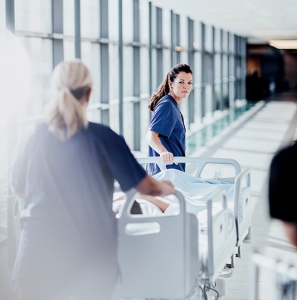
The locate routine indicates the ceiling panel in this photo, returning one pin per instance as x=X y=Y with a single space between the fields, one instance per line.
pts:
x=258 y=20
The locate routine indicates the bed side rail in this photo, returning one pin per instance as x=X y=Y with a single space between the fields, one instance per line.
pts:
x=200 y=161
x=154 y=249
x=220 y=229
x=243 y=205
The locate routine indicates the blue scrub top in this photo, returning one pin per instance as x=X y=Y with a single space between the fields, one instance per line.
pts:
x=68 y=189
x=168 y=121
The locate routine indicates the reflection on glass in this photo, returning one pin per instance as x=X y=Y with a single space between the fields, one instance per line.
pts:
x=33 y=15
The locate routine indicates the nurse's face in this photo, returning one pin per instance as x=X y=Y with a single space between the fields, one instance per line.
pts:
x=182 y=85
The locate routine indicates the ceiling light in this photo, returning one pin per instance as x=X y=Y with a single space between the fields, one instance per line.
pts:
x=283 y=44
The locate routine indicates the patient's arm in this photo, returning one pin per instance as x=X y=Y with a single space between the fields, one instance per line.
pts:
x=159 y=203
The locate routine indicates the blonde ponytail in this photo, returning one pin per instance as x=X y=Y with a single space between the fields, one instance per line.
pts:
x=66 y=112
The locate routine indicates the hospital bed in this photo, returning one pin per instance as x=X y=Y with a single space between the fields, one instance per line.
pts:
x=241 y=204
x=169 y=256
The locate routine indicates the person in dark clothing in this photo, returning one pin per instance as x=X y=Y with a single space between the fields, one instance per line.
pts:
x=282 y=194
x=167 y=132
x=66 y=174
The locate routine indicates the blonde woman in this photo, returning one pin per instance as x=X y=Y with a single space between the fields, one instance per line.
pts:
x=66 y=173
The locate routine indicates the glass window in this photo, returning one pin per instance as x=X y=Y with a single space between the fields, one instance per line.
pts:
x=113 y=20
x=114 y=87
x=128 y=123
x=217 y=66
x=231 y=43
x=69 y=51
x=40 y=55
x=197 y=68
x=90 y=56
x=208 y=38
x=166 y=62
x=145 y=119
x=127 y=21
x=144 y=71
x=183 y=32
x=68 y=16
x=2 y=13
x=225 y=41
x=89 y=18
x=166 y=28
x=128 y=71
x=197 y=35
x=144 y=22
x=217 y=43
x=33 y=15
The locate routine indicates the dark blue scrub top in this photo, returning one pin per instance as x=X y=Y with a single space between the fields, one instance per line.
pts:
x=167 y=120
x=69 y=184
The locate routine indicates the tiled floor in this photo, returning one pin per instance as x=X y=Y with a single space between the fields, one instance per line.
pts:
x=253 y=144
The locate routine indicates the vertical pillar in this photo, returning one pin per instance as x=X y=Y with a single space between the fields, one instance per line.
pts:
x=159 y=40
x=203 y=71
x=221 y=104
x=191 y=104
x=136 y=76
x=57 y=27
x=104 y=61
x=121 y=94
x=212 y=71
x=77 y=32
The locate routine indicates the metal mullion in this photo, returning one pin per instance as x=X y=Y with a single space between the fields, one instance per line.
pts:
x=243 y=72
x=120 y=48
x=228 y=67
x=159 y=40
x=221 y=105
x=212 y=64
x=172 y=39
x=150 y=50
x=57 y=27
x=77 y=31
x=191 y=103
x=104 y=60
x=203 y=69
x=136 y=76
x=177 y=32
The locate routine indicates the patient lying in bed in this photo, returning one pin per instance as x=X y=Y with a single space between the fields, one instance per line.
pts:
x=194 y=190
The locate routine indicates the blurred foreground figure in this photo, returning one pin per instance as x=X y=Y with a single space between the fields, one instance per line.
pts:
x=282 y=190
x=65 y=174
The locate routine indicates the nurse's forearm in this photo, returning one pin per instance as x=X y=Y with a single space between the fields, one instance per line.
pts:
x=153 y=140
x=153 y=187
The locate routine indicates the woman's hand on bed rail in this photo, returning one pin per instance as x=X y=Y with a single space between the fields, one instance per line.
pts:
x=153 y=187
x=167 y=158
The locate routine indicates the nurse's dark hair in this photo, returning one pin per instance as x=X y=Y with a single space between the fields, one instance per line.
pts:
x=164 y=88
x=66 y=112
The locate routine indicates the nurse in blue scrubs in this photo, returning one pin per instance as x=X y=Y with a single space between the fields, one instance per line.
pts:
x=167 y=132
x=65 y=175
